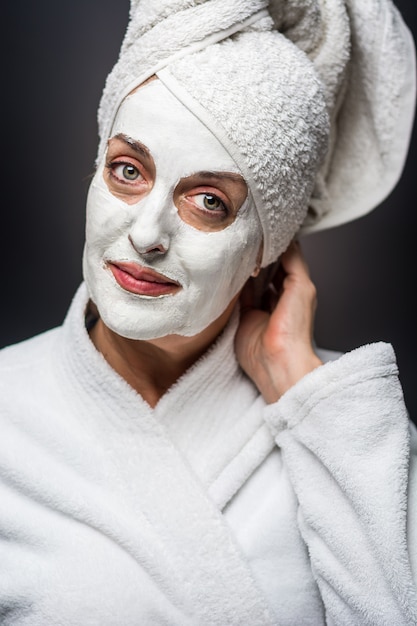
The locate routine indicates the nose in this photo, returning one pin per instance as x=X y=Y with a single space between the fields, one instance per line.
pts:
x=151 y=229
x=155 y=248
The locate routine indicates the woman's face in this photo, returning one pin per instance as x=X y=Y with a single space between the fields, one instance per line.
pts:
x=172 y=234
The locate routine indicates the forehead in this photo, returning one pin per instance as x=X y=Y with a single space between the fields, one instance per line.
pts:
x=175 y=138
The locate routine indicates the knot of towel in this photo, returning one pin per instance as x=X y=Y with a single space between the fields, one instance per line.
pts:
x=313 y=99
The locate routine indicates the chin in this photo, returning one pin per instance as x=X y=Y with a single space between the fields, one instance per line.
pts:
x=156 y=319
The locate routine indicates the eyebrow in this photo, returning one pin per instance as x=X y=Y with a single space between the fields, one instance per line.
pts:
x=220 y=175
x=137 y=146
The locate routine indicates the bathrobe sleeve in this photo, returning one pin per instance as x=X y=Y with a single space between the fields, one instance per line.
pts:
x=344 y=433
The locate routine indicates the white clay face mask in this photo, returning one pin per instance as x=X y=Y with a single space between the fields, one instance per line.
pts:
x=171 y=235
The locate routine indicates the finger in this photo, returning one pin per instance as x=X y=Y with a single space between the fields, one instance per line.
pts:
x=293 y=260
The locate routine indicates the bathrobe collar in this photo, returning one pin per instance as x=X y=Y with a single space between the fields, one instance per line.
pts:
x=178 y=505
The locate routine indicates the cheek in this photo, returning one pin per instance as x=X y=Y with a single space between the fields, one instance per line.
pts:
x=107 y=216
x=222 y=258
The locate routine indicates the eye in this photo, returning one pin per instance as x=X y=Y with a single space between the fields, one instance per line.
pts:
x=209 y=202
x=125 y=171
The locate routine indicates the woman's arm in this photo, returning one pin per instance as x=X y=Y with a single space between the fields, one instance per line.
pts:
x=345 y=437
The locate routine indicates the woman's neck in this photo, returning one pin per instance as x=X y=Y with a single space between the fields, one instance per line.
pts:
x=151 y=367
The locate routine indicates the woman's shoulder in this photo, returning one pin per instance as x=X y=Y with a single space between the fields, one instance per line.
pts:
x=27 y=353
x=28 y=381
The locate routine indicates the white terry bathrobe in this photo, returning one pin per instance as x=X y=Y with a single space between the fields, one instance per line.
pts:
x=213 y=509
x=210 y=509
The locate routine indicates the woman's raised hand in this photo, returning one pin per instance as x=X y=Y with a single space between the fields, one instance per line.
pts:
x=274 y=344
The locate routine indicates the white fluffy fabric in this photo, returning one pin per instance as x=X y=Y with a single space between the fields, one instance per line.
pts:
x=211 y=509
x=314 y=100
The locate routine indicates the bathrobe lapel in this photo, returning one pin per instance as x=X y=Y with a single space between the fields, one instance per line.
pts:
x=181 y=537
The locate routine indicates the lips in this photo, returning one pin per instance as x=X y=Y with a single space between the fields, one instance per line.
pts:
x=141 y=280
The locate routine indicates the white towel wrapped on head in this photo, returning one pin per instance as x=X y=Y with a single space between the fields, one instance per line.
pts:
x=314 y=100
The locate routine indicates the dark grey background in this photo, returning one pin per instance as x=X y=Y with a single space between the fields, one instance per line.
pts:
x=55 y=60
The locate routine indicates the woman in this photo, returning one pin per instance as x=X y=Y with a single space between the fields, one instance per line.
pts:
x=170 y=456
